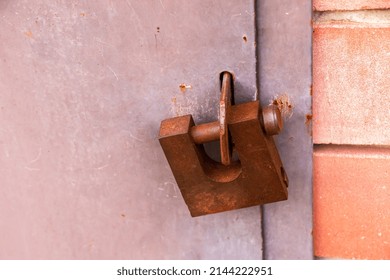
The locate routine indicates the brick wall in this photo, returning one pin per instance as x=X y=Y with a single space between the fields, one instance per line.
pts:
x=342 y=5
x=351 y=129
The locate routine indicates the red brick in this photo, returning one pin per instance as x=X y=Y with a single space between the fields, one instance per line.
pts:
x=351 y=200
x=351 y=86
x=331 y=5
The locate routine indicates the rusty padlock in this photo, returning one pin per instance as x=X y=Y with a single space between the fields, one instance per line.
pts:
x=207 y=186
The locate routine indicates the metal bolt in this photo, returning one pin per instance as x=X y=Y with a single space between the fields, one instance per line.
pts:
x=272 y=119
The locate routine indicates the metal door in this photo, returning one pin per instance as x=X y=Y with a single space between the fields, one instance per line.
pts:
x=84 y=87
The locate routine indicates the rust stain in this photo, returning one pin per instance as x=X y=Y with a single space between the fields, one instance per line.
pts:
x=311 y=90
x=123 y=215
x=285 y=106
x=28 y=34
x=183 y=87
x=308 y=121
x=83 y=14
x=309 y=118
x=245 y=38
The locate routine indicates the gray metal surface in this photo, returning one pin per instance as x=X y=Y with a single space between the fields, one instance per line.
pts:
x=284 y=37
x=84 y=86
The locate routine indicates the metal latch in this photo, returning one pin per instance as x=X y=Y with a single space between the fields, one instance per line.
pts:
x=256 y=177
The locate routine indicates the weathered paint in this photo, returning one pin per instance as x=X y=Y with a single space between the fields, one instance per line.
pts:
x=84 y=86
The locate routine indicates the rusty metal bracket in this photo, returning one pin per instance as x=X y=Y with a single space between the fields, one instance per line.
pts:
x=207 y=186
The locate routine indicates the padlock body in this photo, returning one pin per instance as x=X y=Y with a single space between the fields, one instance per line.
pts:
x=209 y=187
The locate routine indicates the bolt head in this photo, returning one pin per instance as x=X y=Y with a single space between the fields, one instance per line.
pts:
x=272 y=119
